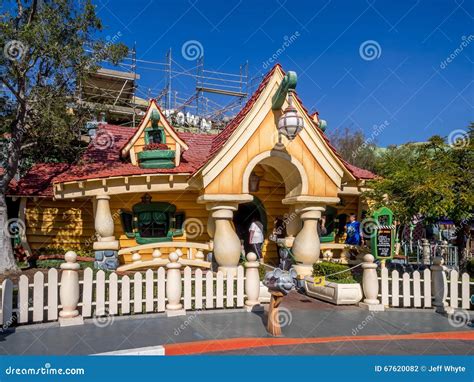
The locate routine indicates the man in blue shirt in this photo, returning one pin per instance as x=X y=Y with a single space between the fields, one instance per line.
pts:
x=353 y=231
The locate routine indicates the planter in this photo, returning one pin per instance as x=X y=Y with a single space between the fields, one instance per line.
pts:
x=156 y=158
x=339 y=294
x=265 y=295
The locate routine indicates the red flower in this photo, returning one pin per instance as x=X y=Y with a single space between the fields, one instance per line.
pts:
x=155 y=146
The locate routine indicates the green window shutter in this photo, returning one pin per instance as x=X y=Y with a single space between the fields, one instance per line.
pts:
x=126 y=218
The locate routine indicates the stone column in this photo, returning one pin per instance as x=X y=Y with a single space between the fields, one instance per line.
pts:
x=306 y=247
x=252 y=282
x=106 y=247
x=440 y=286
x=370 y=285
x=226 y=243
x=69 y=291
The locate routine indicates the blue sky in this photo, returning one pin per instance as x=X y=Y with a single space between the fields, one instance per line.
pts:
x=402 y=80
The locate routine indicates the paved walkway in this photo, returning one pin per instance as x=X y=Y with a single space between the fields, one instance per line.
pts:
x=310 y=327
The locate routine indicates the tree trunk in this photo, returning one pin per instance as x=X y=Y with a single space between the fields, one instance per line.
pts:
x=7 y=260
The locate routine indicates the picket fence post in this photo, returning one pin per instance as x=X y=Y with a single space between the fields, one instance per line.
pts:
x=173 y=286
x=69 y=291
x=370 y=285
x=252 y=283
x=440 y=286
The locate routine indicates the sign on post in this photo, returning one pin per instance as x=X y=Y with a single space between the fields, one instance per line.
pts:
x=383 y=239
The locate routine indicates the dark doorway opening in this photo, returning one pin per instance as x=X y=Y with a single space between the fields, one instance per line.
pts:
x=244 y=216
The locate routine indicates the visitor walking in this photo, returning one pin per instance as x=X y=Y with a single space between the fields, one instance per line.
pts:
x=353 y=231
x=256 y=237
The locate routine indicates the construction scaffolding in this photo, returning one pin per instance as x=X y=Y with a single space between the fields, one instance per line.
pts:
x=197 y=92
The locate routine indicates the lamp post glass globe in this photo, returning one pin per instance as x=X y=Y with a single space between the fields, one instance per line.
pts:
x=290 y=123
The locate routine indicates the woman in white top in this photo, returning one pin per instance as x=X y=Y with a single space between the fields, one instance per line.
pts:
x=256 y=237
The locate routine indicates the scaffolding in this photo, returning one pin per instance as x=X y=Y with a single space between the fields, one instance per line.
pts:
x=117 y=89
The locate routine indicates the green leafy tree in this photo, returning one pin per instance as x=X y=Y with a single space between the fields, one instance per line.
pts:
x=48 y=45
x=434 y=179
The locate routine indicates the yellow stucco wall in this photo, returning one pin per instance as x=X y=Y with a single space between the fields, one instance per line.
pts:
x=60 y=224
x=229 y=181
x=195 y=214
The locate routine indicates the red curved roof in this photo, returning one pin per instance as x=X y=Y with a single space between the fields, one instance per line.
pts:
x=102 y=158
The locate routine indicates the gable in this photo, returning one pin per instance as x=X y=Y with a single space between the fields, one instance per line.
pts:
x=257 y=134
x=143 y=136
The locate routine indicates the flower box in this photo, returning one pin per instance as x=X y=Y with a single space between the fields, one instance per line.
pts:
x=156 y=158
x=335 y=293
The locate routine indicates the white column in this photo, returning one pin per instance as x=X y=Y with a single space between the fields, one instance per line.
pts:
x=173 y=286
x=306 y=247
x=104 y=222
x=252 y=282
x=106 y=246
x=226 y=242
x=292 y=225
x=69 y=291
x=440 y=286
x=370 y=285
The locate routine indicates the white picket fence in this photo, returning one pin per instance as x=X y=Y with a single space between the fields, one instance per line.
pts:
x=415 y=290
x=142 y=293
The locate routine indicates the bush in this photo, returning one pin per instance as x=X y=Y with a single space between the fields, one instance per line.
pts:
x=262 y=271
x=470 y=268
x=328 y=269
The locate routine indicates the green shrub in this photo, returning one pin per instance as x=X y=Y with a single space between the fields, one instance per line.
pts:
x=262 y=271
x=328 y=269
x=470 y=267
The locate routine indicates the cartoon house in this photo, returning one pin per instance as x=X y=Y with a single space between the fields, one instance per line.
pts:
x=137 y=193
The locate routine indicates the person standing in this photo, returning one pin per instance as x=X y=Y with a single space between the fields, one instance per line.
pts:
x=353 y=231
x=256 y=237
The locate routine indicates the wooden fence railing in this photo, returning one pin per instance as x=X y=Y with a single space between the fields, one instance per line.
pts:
x=415 y=290
x=163 y=290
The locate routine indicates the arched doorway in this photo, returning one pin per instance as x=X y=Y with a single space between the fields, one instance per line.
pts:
x=244 y=216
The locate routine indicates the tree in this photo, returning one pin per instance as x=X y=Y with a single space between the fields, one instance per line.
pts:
x=434 y=179
x=354 y=147
x=48 y=46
